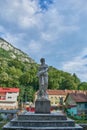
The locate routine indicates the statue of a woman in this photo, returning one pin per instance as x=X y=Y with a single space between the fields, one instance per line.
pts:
x=43 y=79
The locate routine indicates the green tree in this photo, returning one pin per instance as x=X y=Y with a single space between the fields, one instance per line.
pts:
x=76 y=79
x=67 y=84
x=25 y=79
x=3 y=78
x=82 y=86
x=30 y=93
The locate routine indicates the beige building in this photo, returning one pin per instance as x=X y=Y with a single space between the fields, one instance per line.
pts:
x=58 y=96
x=8 y=98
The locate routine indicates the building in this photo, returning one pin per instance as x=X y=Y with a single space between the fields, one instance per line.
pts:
x=57 y=97
x=8 y=98
x=76 y=103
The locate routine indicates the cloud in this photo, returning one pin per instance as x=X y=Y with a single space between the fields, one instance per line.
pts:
x=34 y=47
x=19 y=12
x=14 y=39
x=27 y=15
x=78 y=65
x=49 y=29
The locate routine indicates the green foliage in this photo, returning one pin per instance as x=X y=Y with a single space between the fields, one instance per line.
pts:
x=4 y=53
x=76 y=79
x=82 y=86
x=1 y=117
x=30 y=93
x=62 y=80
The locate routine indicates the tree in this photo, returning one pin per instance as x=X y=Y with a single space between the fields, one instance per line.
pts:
x=25 y=79
x=82 y=86
x=31 y=93
x=53 y=78
x=76 y=79
x=3 y=78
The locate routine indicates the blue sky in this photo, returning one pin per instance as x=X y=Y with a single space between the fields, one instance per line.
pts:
x=53 y=29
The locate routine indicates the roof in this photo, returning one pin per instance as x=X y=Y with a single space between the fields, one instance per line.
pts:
x=4 y=90
x=63 y=92
x=56 y=92
x=78 y=97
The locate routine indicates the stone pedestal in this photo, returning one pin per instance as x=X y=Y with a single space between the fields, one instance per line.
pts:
x=42 y=106
x=35 y=121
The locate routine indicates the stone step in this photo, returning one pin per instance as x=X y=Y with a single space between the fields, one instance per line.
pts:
x=52 y=116
x=8 y=127
x=43 y=123
x=33 y=121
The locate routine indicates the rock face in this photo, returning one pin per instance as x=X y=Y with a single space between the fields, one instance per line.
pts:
x=14 y=52
x=32 y=121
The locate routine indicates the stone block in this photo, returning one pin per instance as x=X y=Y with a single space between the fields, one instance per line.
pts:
x=42 y=106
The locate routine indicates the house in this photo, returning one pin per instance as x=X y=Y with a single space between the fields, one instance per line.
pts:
x=8 y=98
x=57 y=97
x=76 y=103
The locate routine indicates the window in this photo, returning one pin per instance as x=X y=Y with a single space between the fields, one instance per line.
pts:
x=9 y=97
x=85 y=105
x=56 y=102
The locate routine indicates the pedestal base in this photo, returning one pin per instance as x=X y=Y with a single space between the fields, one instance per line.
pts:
x=42 y=106
x=33 y=121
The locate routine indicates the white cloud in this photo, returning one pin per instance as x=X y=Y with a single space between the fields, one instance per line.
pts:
x=79 y=5
x=78 y=65
x=20 y=12
x=56 y=24
x=14 y=39
x=34 y=47
x=26 y=14
x=26 y=26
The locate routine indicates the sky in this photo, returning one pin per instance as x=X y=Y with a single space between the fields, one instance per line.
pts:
x=53 y=29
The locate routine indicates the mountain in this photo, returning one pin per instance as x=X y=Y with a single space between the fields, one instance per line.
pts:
x=12 y=52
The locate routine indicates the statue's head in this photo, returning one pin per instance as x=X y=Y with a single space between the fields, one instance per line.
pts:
x=42 y=60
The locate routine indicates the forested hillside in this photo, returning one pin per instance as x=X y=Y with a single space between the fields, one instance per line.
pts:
x=17 y=69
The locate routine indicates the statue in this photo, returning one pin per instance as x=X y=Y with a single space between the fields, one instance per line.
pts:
x=43 y=80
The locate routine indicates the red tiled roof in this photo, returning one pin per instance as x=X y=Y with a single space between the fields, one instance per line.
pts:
x=79 y=97
x=4 y=90
x=56 y=92
x=62 y=92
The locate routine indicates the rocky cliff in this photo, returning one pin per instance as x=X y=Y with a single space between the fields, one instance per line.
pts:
x=14 y=52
